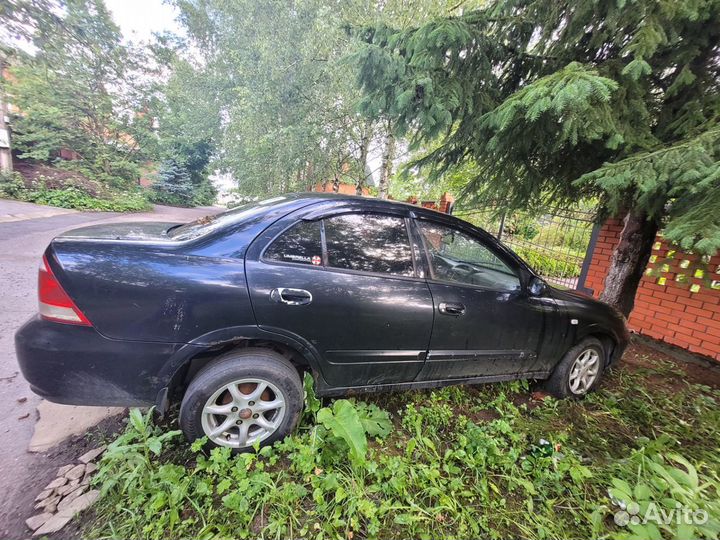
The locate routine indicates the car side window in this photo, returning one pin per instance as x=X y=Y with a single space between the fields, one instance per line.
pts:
x=370 y=243
x=300 y=244
x=458 y=257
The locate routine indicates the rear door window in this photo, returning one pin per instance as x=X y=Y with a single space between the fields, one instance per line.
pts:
x=300 y=244
x=369 y=243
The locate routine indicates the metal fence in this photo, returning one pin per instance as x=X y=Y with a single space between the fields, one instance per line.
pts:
x=556 y=242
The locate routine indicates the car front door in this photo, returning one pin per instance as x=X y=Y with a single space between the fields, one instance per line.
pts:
x=346 y=286
x=485 y=325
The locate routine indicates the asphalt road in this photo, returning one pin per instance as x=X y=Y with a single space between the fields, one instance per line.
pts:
x=25 y=231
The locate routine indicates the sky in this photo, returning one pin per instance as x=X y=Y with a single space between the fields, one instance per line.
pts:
x=138 y=19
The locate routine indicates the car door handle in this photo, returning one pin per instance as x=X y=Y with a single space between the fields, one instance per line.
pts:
x=449 y=308
x=291 y=297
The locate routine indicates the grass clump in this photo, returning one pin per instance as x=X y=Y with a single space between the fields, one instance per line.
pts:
x=486 y=461
x=76 y=197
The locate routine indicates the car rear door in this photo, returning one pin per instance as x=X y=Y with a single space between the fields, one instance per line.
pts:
x=485 y=325
x=345 y=284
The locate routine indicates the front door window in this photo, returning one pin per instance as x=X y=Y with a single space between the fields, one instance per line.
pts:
x=457 y=257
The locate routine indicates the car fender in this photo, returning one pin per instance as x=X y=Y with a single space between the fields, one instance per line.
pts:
x=218 y=338
x=597 y=329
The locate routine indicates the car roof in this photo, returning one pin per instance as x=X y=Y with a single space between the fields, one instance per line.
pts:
x=358 y=200
x=310 y=198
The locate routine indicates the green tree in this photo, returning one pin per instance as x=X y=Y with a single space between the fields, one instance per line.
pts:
x=285 y=100
x=188 y=117
x=285 y=90
x=398 y=14
x=173 y=185
x=558 y=100
x=83 y=89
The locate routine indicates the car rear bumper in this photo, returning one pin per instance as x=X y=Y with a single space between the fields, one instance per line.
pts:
x=76 y=365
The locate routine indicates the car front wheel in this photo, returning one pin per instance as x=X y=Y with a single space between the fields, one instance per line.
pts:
x=579 y=371
x=243 y=398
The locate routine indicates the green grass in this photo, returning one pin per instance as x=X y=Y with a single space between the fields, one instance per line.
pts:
x=484 y=461
x=76 y=199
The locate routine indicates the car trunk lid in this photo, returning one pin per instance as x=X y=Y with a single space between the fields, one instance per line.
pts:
x=140 y=231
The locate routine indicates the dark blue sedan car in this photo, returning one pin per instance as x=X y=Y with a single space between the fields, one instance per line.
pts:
x=224 y=314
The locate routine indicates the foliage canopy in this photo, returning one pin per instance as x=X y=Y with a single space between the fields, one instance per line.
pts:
x=560 y=100
x=82 y=90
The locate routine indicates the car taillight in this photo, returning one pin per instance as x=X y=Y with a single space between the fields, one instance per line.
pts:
x=54 y=303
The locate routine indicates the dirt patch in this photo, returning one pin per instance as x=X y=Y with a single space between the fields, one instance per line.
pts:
x=46 y=466
x=670 y=368
x=33 y=174
x=482 y=416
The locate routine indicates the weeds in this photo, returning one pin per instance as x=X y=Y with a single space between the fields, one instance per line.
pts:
x=458 y=462
x=77 y=199
x=70 y=196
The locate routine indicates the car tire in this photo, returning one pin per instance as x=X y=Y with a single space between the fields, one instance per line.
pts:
x=243 y=397
x=579 y=371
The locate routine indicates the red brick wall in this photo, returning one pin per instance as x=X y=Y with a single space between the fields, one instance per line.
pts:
x=667 y=309
x=445 y=205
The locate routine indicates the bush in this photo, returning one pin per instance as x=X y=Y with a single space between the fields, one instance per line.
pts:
x=76 y=199
x=11 y=185
x=546 y=265
x=120 y=177
x=205 y=194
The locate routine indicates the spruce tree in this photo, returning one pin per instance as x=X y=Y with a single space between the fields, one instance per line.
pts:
x=173 y=185
x=554 y=100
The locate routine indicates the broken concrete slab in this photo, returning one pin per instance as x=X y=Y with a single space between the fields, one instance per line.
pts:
x=79 y=504
x=70 y=497
x=58 y=422
x=68 y=488
x=37 y=521
x=54 y=524
x=43 y=495
x=91 y=455
x=56 y=483
x=75 y=473
x=49 y=504
x=65 y=468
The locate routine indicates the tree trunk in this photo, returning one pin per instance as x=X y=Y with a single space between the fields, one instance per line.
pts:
x=310 y=176
x=629 y=261
x=6 y=164
x=387 y=159
x=364 y=146
x=336 y=184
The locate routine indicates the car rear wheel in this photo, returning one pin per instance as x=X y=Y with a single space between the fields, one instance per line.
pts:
x=579 y=371
x=243 y=398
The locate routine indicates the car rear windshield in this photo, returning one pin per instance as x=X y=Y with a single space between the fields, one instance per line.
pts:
x=208 y=224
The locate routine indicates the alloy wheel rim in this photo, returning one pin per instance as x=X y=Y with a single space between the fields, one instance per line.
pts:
x=243 y=412
x=584 y=371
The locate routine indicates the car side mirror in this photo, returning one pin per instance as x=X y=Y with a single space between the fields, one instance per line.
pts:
x=537 y=287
